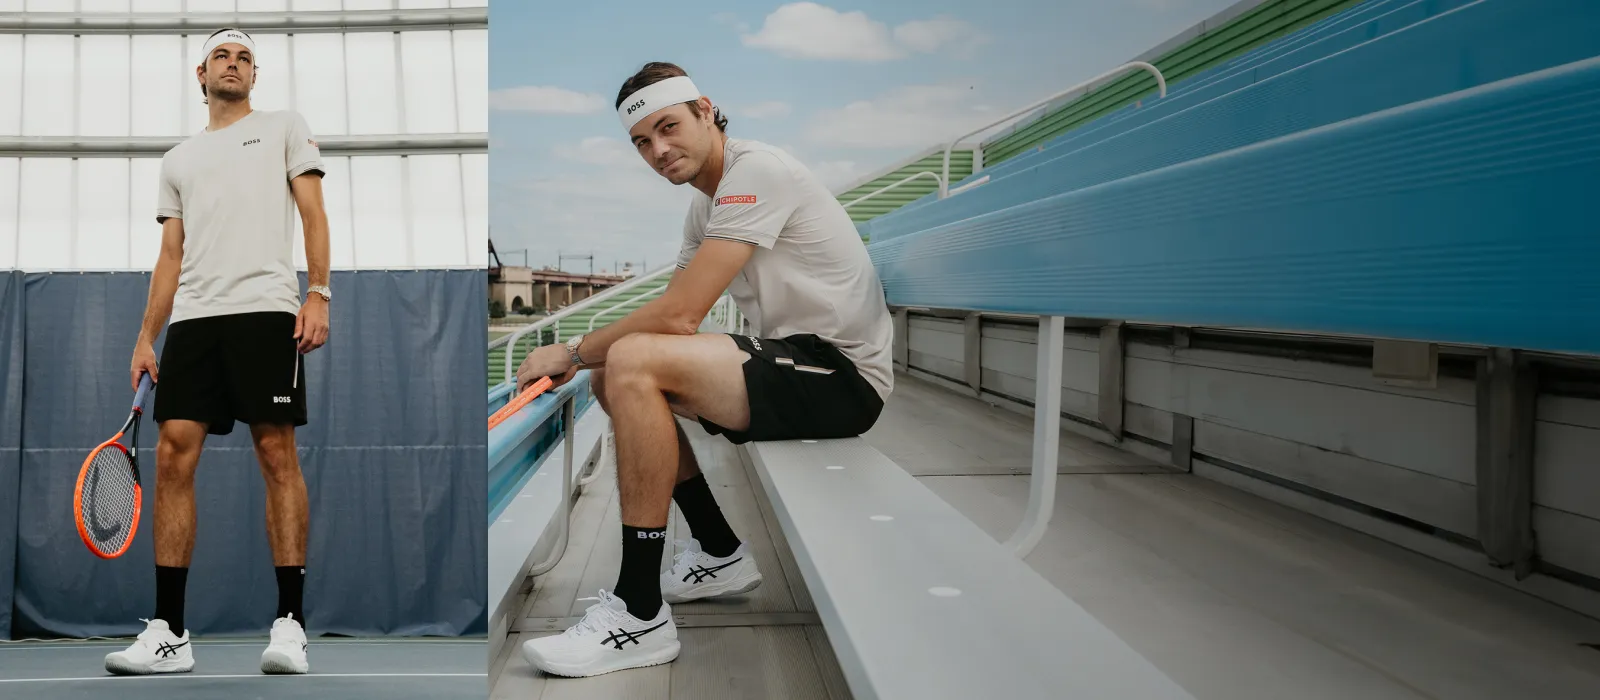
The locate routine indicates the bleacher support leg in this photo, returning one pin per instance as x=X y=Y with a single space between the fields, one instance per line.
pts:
x=972 y=352
x=1046 y=437
x=564 y=515
x=1112 y=352
x=1507 y=396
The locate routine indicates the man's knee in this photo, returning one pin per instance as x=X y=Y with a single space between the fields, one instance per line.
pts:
x=629 y=366
x=597 y=384
x=275 y=450
x=178 y=452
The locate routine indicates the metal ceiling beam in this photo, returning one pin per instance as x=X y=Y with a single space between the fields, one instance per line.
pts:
x=155 y=146
x=259 y=22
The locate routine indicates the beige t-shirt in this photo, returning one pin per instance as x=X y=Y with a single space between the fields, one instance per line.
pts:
x=231 y=188
x=811 y=273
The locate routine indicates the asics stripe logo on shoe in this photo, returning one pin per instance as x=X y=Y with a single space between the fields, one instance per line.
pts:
x=621 y=636
x=168 y=649
x=702 y=573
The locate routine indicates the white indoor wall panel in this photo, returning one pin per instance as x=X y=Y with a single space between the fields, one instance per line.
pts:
x=8 y=213
x=419 y=4
x=49 y=6
x=472 y=79
x=105 y=6
x=11 y=5
x=368 y=4
x=195 y=113
x=427 y=60
x=372 y=81
x=475 y=182
x=319 y=75
x=336 y=199
x=212 y=6
x=273 y=62
x=10 y=84
x=377 y=222
x=103 y=85
x=438 y=219
x=469 y=3
x=159 y=78
x=44 y=214
x=103 y=217
x=313 y=5
x=47 y=85
x=144 y=244
x=157 y=5
x=263 y=6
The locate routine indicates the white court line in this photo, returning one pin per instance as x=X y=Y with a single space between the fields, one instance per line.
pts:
x=175 y=676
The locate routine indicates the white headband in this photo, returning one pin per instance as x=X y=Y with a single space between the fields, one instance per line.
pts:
x=229 y=36
x=654 y=97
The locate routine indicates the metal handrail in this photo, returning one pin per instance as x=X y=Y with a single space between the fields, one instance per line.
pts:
x=510 y=341
x=1161 y=82
x=937 y=180
x=618 y=305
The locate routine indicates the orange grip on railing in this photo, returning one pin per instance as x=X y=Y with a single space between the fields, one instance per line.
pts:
x=520 y=401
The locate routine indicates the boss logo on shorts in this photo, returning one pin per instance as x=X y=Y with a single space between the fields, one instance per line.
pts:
x=252 y=141
x=754 y=341
x=282 y=399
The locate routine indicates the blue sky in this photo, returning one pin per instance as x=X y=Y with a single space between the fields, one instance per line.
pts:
x=849 y=88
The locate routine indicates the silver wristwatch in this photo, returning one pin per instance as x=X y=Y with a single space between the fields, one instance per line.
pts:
x=572 y=349
x=321 y=290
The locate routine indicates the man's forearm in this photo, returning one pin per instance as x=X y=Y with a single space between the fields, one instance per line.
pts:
x=317 y=251
x=654 y=317
x=158 y=308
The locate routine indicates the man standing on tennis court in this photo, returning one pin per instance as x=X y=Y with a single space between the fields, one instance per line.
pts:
x=226 y=278
x=763 y=228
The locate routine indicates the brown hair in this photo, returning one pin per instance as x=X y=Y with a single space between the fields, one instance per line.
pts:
x=657 y=71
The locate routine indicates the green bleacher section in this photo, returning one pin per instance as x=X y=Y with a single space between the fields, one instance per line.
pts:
x=1254 y=27
x=578 y=323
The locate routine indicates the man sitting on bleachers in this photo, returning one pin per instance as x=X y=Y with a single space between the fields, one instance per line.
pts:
x=766 y=230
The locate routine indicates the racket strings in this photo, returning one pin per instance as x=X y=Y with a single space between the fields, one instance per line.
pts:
x=109 y=499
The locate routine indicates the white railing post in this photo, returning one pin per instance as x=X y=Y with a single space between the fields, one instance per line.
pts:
x=510 y=341
x=944 y=184
x=565 y=514
x=1046 y=437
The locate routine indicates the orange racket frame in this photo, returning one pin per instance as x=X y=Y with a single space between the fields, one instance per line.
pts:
x=520 y=401
x=145 y=385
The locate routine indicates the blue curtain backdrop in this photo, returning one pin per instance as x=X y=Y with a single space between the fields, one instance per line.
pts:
x=393 y=460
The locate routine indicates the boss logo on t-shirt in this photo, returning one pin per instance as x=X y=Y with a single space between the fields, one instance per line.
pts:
x=252 y=141
x=736 y=199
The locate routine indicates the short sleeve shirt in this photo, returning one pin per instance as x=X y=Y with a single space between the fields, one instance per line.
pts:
x=811 y=273
x=231 y=189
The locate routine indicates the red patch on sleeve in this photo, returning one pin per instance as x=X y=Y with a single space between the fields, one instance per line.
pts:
x=736 y=199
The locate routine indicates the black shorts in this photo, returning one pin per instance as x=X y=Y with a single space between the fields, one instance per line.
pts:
x=241 y=367
x=801 y=387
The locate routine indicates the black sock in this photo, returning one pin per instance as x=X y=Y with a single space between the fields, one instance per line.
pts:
x=639 y=581
x=291 y=589
x=706 y=523
x=170 y=583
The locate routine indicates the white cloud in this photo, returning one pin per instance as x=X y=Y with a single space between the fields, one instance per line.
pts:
x=765 y=110
x=542 y=99
x=940 y=34
x=807 y=30
x=907 y=117
x=836 y=173
x=599 y=150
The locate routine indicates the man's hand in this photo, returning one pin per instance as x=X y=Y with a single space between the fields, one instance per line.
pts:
x=144 y=362
x=547 y=361
x=311 y=327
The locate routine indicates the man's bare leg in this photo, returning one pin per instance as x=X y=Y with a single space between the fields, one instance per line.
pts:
x=177 y=457
x=688 y=465
x=703 y=375
x=288 y=513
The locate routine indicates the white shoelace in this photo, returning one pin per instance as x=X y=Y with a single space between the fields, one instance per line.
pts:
x=681 y=560
x=597 y=617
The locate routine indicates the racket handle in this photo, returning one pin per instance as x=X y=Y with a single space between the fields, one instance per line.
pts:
x=144 y=388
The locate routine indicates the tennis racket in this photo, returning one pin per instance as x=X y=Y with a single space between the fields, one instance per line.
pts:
x=520 y=401
x=106 y=501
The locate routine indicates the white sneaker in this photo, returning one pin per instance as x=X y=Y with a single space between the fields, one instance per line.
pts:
x=695 y=574
x=286 y=653
x=607 y=639
x=157 y=650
